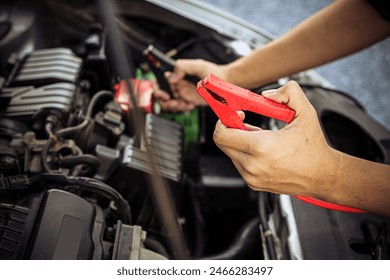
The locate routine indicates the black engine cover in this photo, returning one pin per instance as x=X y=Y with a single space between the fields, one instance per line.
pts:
x=56 y=225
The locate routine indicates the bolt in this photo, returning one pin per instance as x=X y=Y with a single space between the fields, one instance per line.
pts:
x=7 y=162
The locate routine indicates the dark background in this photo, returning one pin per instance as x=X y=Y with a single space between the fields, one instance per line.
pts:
x=365 y=75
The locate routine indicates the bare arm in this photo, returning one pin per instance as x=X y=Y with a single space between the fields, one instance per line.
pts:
x=362 y=184
x=297 y=160
x=344 y=27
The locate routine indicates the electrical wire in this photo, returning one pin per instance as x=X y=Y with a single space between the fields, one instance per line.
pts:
x=70 y=183
x=317 y=202
x=330 y=206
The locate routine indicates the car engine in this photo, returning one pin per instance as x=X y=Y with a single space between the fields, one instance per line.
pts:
x=78 y=180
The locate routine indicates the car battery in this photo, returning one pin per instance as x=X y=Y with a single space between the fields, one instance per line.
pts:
x=164 y=139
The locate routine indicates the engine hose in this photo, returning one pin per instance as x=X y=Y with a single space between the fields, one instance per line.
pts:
x=268 y=236
x=94 y=186
x=243 y=243
x=44 y=166
x=89 y=160
x=49 y=129
x=95 y=99
x=105 y=190
x=76 y=170
x=69 y=131
x=156 y=246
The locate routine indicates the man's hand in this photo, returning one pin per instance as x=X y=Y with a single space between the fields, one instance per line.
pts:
x=293 y=160
x=186 y=97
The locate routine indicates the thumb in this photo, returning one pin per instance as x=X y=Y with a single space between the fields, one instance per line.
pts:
x=192 y=67
x=176 y=76
x=249 y=127
x=293 y=96
x=241 y=114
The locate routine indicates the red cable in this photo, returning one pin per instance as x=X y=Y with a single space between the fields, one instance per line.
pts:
x=328 y=205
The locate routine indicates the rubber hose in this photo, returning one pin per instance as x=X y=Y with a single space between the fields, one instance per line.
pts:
x=66 y=132
x=243 y=242
x=89 y=160
x=109 y=192
x=44 y=166
x=156 y=246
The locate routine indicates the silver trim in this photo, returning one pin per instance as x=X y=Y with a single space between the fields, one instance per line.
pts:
x=220 y=21
x=293 y=241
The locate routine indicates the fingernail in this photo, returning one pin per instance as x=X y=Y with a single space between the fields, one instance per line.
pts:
x=268 y=92
x=173 y=76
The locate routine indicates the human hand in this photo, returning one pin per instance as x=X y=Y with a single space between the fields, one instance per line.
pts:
x=186 y=97
x=294 y=160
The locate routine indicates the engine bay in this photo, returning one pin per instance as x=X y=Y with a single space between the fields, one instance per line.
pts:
x=79 y=180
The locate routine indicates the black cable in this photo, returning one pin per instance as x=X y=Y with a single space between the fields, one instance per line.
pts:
x=105 y=190
x=91 y=185
x=187 y=44
x=95 y=98
x=268 y=235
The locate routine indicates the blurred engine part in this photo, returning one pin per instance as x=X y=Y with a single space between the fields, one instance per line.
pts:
x=132 y=237
x=70 y=154
x=41 y=84
x=42 y=67
x=44 y=227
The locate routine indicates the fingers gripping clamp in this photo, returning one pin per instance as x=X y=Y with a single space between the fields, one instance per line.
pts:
x=226 y=99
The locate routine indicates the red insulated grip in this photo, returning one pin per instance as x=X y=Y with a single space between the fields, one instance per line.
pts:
x=234 y=121
x=267 y=107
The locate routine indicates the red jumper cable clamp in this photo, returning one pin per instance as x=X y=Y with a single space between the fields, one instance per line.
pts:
x=226 y=99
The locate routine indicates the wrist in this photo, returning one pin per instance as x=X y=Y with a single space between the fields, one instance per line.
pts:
x=330 y=189
x=242 y=75
x=324 y=183
x=226 y=72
